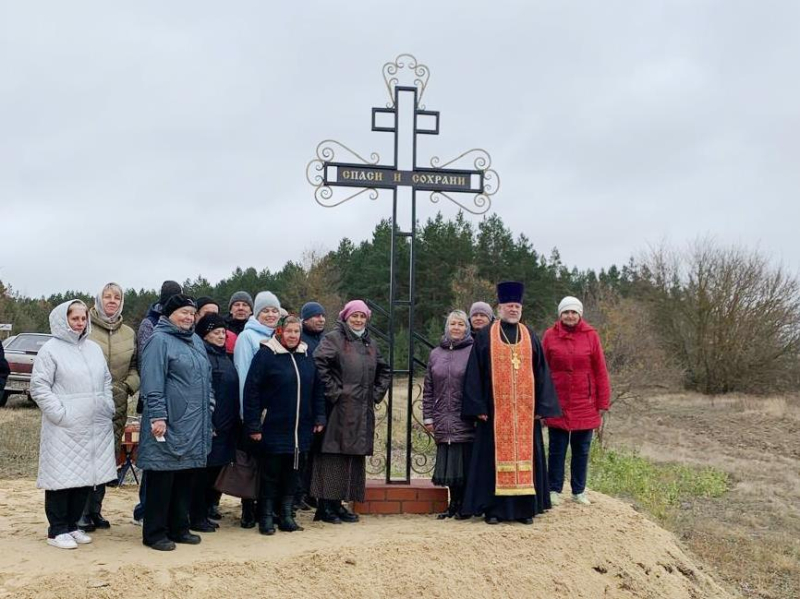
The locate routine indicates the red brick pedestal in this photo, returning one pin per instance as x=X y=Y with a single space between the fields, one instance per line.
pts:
x=419 y=497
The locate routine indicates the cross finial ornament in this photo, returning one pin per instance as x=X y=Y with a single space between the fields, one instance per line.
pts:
x=469 y=173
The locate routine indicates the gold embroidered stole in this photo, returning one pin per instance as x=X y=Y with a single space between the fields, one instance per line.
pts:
x=513 y=391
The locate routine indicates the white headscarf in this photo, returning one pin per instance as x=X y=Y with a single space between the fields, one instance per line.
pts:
x=98 y=304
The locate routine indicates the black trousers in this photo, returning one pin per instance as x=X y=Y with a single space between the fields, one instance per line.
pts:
x=580 y=442
x=64 y=508
x=203 y=493
x=279 y=479
x=94 y=502
x=166 y=505
x=138 y=510
x=212 y=495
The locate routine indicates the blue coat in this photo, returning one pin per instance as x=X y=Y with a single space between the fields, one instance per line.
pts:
x=226 y=421
x=176 y=386
x=291 y=412
x=247 y=344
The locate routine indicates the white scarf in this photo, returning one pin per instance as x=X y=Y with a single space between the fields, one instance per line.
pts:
x=101 y=313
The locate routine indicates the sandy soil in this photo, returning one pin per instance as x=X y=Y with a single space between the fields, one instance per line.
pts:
x=607 y=550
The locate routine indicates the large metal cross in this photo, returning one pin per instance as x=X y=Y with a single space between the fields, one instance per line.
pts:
x=335 y=182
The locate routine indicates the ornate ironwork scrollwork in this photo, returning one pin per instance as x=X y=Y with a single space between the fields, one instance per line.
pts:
x=423 y=446
x=481 y=202
x=325 y=196
x=315 y=173
x=481 y=161
x=491 y=182
x=420 y=72
x=376 y=463
x=326 y=152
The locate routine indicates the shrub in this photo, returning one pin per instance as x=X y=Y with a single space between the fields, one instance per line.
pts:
x=730 y=317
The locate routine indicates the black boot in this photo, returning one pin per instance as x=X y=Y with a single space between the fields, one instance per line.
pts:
x=344 y=514
x=86 y=525
x=99 y=521
x=452 y=507
x=324 y=512
x=287 y=522
x=299 y=503
x=248 y=513
x=459 y=513
x=266 y=521
x=457 y=502
x=448 y=513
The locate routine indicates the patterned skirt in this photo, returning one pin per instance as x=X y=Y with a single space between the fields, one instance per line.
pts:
x=452 y=464
x=336 y=476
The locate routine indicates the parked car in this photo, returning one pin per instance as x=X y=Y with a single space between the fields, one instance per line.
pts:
x=20 y=352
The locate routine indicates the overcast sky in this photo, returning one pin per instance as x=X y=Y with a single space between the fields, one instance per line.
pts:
x=141 y=141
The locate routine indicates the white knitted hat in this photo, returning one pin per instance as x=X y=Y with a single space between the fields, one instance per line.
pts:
x=570 y=303
x=265 y=299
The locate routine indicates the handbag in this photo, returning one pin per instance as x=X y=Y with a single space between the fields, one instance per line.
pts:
x=240 y=477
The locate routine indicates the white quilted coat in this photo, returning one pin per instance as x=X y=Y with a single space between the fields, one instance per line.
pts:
x=72 y=386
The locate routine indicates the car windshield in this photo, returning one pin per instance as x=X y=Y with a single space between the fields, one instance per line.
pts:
x=27 y=343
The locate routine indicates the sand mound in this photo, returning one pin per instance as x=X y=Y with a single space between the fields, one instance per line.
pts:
x=607 y=550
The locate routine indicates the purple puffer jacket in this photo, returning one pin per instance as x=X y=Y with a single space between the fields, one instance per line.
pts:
x=441 y=397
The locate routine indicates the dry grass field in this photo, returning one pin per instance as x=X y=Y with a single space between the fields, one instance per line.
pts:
x=750 y=535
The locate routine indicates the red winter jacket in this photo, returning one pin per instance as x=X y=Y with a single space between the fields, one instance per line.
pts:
x=578 y=368
x=230 y=342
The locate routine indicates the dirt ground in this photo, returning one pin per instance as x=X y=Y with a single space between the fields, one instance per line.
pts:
x=751 y=536
x=748 y=539
x=608 y=550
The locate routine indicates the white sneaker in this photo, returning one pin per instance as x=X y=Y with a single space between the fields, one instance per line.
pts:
x=581 y=498
x=63 y=541
x=81 y=538
x=555 y=498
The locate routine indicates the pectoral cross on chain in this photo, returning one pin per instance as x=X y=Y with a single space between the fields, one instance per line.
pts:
x=515 y=360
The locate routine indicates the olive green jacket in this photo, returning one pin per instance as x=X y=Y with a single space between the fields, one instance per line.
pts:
x=118 y=342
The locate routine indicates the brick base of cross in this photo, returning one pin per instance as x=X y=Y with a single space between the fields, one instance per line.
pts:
x=417 y=497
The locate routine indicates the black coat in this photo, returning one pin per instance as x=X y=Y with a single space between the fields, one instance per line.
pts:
x=478 y=399
x=225 y=419
x=291 y=412
x=356 y=378
x=235 y=326
x=311 y=340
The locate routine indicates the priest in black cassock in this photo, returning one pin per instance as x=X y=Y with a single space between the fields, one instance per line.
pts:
x=507 y=391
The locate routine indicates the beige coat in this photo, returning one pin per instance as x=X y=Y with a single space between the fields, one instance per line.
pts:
x=118 y=342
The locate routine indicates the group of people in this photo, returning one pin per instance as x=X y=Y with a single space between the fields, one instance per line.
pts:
x=489 y=387
x=301 y=402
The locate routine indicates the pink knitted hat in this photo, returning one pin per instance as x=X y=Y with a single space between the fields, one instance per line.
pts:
x=354 y=306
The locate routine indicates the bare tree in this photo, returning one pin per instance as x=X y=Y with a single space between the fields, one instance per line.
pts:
x=315 y=279
x=469 y=287
x=636 y=359
x=730 y=317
